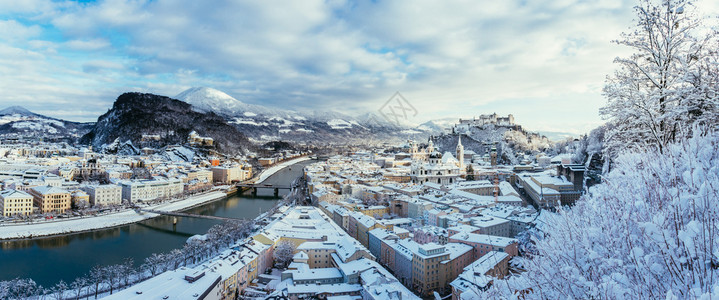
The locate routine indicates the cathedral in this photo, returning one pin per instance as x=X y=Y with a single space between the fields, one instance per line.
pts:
x=429 y=165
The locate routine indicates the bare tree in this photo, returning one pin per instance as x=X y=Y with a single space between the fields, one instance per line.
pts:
x=78 y=285
x=284 y=252
x=59 y=290
x=153 y=263
x=97 y=277
x=112 y=275
x=126 y=270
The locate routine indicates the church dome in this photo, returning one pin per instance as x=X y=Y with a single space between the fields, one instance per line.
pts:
x=435 y=154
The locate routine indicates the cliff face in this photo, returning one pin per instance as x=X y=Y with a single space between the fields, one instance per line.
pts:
x=136 y=114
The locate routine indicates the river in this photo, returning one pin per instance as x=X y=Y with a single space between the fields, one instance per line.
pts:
x=49 y=260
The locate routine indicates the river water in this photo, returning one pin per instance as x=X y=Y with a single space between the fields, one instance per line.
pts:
x=49 y=260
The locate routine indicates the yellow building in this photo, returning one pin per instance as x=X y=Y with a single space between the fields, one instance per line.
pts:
x=427 y=272
x=14 y=203
x=364 y=225
x=374 y=211
x=51 y=199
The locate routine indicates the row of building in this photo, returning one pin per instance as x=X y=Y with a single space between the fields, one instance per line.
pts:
x=425 y=222
x=63 y=179
x=326 y=263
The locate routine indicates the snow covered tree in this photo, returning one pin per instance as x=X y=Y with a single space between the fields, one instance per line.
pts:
x=97 y=277
x=284 y=252
x=649 y=231
x=667 y=84
x=127 y=268
x=112 y=276
x=19 y=289
x=59 y=290
x=174 y=259
x=78 y=285
x=153 y=263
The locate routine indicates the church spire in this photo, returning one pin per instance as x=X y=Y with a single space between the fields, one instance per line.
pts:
x=460 y=153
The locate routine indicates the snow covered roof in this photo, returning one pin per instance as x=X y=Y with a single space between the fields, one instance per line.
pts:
x=44 y=190
x=300 y=256
x=484 y=239
x=170 y=284
x=448 y=158
x=14 y=194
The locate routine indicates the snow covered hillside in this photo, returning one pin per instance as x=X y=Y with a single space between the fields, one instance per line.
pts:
x=18 y=122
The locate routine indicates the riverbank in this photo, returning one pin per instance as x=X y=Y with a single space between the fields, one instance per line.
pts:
x=15 y=231
x=276 y=168
x=78 y=225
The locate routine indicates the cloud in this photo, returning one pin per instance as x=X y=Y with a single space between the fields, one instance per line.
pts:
x=87 y=45
x=450 y=58
x=11 y=30
x=96 y=66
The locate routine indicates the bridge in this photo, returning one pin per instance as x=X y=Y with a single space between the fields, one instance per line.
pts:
x=255 y=186
x=181 y=214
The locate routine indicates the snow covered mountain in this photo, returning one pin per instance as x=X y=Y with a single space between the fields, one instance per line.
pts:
x=438 y=126
x=18 y=122
x=262 y=123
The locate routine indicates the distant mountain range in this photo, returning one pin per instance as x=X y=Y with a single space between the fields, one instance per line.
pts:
x=18 y=122
x=235 y=125
x=263 y=124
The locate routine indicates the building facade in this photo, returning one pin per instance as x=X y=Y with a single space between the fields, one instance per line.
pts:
x=15 y=203
x=50 y=199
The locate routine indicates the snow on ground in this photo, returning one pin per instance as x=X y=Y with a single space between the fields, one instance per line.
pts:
x=13 y=231
x=179 y=154
x=410 y=131
x=285 y=122
x=248 y=122
x=272 y=170
x=339 y=124
x=250 y=114
x=34 y=125
x=11 y=118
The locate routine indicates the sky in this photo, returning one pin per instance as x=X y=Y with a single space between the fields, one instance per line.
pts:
x=543 y=61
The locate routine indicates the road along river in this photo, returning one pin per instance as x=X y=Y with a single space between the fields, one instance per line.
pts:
x=49 y=260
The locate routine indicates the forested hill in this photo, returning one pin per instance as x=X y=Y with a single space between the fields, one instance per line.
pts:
x=136 y=114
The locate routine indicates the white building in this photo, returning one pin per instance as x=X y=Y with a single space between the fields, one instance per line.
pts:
x=143 y=190
x=228 y=174
x=442 y=169
x=104 y=195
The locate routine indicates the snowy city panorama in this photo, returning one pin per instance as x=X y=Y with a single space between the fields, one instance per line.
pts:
x=359 y=150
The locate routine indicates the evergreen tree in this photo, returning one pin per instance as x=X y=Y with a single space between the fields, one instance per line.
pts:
x=470 y=173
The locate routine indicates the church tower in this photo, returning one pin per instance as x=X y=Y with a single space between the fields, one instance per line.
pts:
x=460 y=154
x=430 y=147
x=413 y=150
